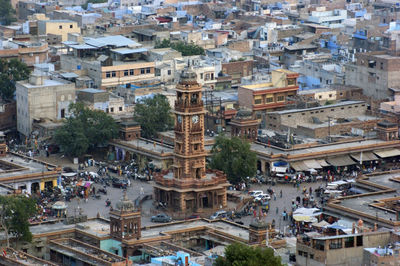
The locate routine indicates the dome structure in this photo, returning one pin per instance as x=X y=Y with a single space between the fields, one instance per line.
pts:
x=125 y=204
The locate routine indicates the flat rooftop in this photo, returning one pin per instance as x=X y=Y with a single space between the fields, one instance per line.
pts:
x=263 y=148
x=362 y=203
x=237 y=231
x=46 y=83
x=23 y=166
x=344 y=103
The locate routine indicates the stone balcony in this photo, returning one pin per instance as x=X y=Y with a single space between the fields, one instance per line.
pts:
x=213 y=178
x=187 y=107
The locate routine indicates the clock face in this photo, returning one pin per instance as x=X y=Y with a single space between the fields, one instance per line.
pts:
x=179 y=119
x=195 y=119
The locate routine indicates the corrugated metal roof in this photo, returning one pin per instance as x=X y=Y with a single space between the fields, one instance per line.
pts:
x=129 y=51
x=116 y=40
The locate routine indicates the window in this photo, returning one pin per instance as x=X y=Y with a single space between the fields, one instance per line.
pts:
x=113 y=74
x=335 y=243
x=108 y=74
x=320 y=245
x=349 y=242
x=322 y=111
x=60 y=27
x=257 y=101
x=169 y=72
x=126 y=72
x=320 y=96
x=142 y=71
x=312 y=256
x=120 y=108
x=131 y=72
x=280 y=98
x=107 y=110
x=289 y=116
x=359 y=241
x=201 y=75
x=62 y=113
x=341 y=94
x=148 y=70
x=330 y=95
x=303 y=113
x=269 y=99
x=291 y=82
x=112 y=109
x=381 y=65
x=300 y=253
x=311 y=112
x=71 y=26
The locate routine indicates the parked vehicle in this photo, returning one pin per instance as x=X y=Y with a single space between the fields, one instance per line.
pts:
x=161 y=218
x=262 y=197
x=119 y=183
x=255 y=193
x=219 y=215
x=193 y=216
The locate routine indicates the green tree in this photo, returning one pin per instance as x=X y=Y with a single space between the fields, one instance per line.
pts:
x=85 y=129
x=234 y=157
x=10 y=72
x=239 y=254
x=15 y=212
x=7 y=13
x=153 y=115
x=186 y=49
x=165 y=43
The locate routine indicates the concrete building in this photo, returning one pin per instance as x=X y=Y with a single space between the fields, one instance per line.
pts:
x=377 y=73
x=297 y=119
x=332 y=18
x=109 y=61
x=238 y=69
x=338 y=250
x=321 y=95
x=101 y=100
x=269 y=96
x=42 y=98
x=58 y=27
x=28 y=52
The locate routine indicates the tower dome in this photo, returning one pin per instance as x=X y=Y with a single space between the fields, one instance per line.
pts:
x=125 y=204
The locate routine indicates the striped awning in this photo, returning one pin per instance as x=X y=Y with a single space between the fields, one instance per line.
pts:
x=364 y=156
x=342 y=160
x=387 y=153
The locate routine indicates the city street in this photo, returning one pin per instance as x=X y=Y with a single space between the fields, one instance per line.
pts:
x=98 y=206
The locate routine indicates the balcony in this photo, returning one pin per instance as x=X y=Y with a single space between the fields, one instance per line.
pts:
x=187 y=107
x=214 y=178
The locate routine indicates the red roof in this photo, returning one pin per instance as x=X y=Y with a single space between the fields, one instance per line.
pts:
x=164 y=20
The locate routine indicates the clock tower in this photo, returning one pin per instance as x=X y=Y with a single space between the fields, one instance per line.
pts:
x=189 y=187
x=189 y=159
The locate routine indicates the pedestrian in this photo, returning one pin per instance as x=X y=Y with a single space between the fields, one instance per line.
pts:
x=274 y=196
x=277 y=210
x=141 y=191
x=280 y=193
x=310 y=190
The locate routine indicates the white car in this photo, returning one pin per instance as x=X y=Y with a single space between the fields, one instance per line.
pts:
x=255 y=193
x=262 y=197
